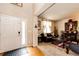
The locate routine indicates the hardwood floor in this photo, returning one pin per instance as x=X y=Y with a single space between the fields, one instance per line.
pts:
x=42 y=50
x=34 y=51
x=17 y=52
x=29 y=51
x=1 y=54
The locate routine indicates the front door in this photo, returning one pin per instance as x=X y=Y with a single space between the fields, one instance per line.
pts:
x=10 y=33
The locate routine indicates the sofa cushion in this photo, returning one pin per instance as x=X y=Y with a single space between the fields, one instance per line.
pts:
x=74 y=47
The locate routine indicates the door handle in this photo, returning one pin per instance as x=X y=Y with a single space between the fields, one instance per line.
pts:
x=19 y=32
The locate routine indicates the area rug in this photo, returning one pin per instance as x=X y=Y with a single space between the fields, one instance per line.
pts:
x=52 y=50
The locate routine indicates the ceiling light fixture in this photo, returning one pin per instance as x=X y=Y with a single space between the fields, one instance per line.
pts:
x=18 y=4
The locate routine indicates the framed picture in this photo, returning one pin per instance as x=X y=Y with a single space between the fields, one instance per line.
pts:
x=71 y=25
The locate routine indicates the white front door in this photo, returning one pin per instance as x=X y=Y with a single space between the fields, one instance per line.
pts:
x=10 y=33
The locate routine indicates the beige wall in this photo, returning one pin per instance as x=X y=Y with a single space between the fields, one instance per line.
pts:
x=52 y=26
x=25 y=13
x=40 y=7
x=61 y=23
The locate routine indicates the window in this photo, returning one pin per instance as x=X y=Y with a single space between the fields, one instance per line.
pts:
x=46 y=26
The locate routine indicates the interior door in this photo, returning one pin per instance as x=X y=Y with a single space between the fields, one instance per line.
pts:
x=10 y=33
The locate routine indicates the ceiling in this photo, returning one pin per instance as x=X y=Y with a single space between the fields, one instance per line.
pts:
x=60 y=10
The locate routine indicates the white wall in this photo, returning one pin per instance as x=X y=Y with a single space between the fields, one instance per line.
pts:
x=35 y=31
x=25 y=13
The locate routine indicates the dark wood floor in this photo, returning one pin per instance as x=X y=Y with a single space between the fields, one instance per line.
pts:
x=17 y=52
x=29 y=51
